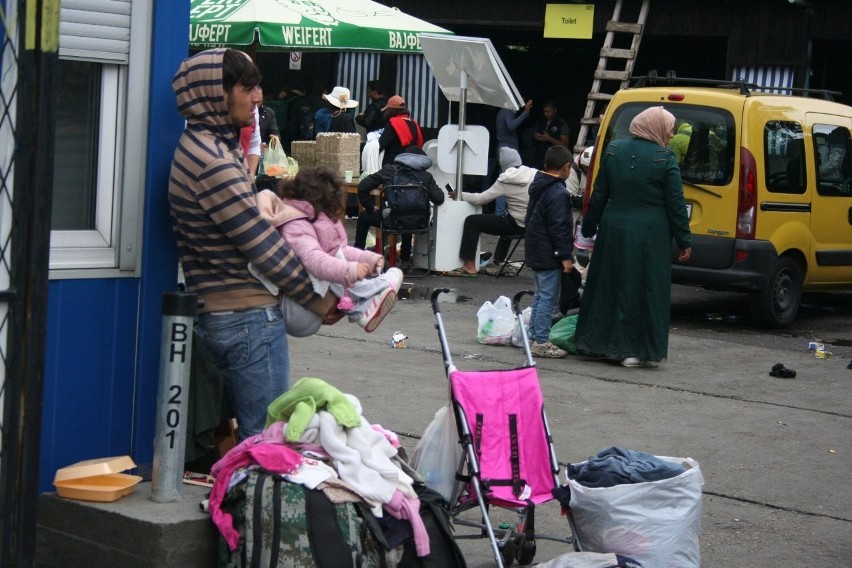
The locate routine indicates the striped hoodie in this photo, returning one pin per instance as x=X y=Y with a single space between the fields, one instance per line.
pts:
x=213 y=204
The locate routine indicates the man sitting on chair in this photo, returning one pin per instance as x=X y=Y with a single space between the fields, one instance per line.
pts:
x=408 y=167
x=514 y=185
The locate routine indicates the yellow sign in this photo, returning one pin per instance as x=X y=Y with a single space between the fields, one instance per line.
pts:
x=574 y=21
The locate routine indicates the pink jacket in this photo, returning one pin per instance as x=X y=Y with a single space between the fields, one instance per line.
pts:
x=315 y=242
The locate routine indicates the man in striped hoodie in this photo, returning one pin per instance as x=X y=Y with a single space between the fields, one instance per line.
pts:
x=219 y=231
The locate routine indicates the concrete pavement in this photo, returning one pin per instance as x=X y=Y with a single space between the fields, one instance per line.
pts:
x=775 y=453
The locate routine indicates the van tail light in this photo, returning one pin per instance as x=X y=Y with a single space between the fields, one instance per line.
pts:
x=747 y=196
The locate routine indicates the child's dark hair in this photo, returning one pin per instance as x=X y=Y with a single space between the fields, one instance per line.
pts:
x=318 y=185
x=556 y=157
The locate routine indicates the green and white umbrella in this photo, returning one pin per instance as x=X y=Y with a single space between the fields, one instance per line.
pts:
x=306 y=25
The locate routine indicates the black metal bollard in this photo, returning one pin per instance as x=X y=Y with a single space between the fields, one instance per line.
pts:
x=179 y=309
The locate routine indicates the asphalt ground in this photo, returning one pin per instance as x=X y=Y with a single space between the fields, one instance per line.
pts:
x=774 y=453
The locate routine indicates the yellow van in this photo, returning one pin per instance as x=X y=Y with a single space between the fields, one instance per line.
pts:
x=768 y=186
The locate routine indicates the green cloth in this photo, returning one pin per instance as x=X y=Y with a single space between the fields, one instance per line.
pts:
x=637 y=208
x=299 y=404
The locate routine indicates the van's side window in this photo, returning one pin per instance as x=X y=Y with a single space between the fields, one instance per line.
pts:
x=833 y=149
x=784 y=156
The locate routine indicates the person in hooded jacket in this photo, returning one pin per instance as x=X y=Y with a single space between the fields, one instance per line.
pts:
x=548 y=245
x=408 y=167
x=513 y=185
x=219 y=231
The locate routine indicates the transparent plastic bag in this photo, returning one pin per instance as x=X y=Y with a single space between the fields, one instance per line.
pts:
x=516 y=331
x=495 y=322
x=438 y=453
x=275 y=161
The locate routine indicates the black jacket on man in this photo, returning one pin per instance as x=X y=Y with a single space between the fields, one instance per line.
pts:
x=372 y=119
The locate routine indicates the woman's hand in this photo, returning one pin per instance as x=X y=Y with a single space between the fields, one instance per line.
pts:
x=684 y=254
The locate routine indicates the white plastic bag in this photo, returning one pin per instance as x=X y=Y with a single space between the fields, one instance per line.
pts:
x=657 y=523
x=438 y=453
x=526 y=313
x=495 y=322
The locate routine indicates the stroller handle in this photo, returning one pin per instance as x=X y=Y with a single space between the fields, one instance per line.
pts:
x=516 y=300
x=434 y=298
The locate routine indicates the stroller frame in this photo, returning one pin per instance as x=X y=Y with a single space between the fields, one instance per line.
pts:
x=518 y=540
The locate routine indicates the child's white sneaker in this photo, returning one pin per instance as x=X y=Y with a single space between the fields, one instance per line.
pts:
x=380 y=306
x=394 y=277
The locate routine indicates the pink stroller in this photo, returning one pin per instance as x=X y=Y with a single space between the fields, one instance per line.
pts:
x=508 y=459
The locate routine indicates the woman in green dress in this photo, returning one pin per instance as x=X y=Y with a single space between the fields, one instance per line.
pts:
x=637 y=207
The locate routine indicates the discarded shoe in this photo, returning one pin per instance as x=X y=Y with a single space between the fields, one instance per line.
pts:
x=782 y=372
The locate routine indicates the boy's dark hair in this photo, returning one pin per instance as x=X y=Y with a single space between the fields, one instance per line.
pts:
x=238 y=68
x=556 y=157
x=377 y=86
x=318 y=185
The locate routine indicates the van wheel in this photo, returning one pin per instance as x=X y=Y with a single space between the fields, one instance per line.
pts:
x=778 y=303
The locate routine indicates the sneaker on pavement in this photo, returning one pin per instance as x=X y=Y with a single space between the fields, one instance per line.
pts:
x=394 y=277
x=380 y=306
x=547 y=349
x=631 y=362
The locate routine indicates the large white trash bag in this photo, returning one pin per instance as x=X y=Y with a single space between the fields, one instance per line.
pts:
x=657 y=523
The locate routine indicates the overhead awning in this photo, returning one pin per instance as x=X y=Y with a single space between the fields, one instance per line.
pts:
x=306 y=25
x=776 y=80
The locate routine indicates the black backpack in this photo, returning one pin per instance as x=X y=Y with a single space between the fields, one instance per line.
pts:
x=405 y=204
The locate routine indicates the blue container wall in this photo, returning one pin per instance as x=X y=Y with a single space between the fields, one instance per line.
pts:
x=103 y=338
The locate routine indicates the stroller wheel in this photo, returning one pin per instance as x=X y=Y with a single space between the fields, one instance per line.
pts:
x=526 y=552
x=507 y=551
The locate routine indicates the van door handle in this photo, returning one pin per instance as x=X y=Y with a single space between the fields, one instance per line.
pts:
x=849 y=215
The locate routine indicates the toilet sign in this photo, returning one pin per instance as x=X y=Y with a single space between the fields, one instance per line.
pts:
x=295 y=60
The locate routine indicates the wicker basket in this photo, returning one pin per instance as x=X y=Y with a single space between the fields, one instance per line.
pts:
x=339 y=151
x=304 y=152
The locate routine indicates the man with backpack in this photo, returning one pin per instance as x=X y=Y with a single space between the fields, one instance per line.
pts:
x=408 y=168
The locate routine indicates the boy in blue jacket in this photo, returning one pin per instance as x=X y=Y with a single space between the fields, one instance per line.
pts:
x=548 y=244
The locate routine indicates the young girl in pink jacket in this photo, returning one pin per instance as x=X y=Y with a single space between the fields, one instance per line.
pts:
x=308 y=211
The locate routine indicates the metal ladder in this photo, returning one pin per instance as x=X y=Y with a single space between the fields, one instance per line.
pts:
x=603 y=73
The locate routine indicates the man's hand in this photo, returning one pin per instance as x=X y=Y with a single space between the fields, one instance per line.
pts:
x=567 y=266
x=528 y=105
x=684 y=254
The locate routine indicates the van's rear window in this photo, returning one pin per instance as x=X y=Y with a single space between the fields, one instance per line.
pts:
x=703 y=144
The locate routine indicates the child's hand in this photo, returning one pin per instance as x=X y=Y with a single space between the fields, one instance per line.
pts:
x=567 y=265
x=363 y=270
x=380 y=265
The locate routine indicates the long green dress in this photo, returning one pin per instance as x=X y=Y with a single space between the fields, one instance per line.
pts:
x=637 y=207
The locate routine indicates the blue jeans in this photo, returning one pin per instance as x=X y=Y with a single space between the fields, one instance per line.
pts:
x=546 y=293
x=250 y=347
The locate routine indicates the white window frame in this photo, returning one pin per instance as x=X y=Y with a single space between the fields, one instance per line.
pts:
x=113 y=248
